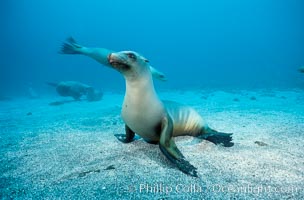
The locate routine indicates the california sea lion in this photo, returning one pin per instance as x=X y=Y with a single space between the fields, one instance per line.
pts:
x=76 y=90
x=156 y=121
x=100 y=55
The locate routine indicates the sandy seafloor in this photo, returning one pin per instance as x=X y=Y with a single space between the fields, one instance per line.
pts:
x=70 y=152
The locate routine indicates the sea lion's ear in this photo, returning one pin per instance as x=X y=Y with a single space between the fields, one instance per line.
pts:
x=146 y=60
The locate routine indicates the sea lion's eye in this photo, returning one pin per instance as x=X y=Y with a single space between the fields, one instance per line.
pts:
x=131 y=55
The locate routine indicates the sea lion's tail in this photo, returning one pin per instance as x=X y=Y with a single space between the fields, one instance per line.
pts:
x=52 y=84
x=70 y=47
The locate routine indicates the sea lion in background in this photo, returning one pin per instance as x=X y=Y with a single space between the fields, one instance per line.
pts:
x=146 y=115
x=100 y=55
x=301 y=69
x=76 y=90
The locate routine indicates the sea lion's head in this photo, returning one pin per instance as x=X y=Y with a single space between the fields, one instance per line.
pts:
x=129 y=63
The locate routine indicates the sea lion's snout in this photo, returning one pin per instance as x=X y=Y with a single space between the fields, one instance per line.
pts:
x=117 y=61
x=109 y=58
x=112 y=59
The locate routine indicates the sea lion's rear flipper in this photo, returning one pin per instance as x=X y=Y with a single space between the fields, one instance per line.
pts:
x=217 y=137
x=221 y=138
x=128 y=137
x=170 y=150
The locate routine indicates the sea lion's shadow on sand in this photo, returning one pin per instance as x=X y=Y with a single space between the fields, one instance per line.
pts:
x=58 y=103
x=154 y=153
x=151 y=151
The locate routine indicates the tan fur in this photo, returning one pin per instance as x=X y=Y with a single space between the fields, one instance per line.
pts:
x=142 y=110
x=185 y=119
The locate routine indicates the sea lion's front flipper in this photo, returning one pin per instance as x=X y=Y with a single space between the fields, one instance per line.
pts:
x=169 y=149
x=71 y=47
x=128 y=137
x=157 y=74
x=99 y=54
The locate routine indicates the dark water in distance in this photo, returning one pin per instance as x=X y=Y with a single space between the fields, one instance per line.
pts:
x=213 y=43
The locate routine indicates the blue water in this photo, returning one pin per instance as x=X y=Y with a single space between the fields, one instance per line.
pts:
x=219 y=43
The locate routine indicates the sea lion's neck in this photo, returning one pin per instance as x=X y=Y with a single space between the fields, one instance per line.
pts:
x=140 y=89
x=142 y=109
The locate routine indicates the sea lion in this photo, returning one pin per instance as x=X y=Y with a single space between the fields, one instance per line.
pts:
x=100 y=55
x=154 y=120
x=76 y=90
